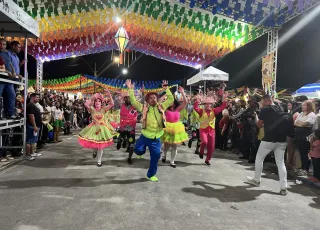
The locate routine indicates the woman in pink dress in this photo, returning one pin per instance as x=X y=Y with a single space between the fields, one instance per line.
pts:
x=174 y=131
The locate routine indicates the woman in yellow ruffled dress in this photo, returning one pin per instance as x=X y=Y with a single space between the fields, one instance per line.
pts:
x=99 y=134
x=174 y=131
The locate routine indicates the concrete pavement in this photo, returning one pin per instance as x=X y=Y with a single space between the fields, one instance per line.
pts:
x=64 y=189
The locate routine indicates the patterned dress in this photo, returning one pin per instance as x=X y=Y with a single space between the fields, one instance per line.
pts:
x=99 y=134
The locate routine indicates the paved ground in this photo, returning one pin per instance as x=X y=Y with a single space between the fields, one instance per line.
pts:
x=64 y=189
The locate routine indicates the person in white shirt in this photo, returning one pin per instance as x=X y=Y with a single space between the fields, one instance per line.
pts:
x=304 y=124
x=57 y=120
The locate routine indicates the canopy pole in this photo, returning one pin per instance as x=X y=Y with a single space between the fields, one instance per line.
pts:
x=25 y=95
x=39 y=76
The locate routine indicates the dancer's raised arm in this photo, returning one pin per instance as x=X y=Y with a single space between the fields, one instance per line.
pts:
x=133 y=99
x=196 y=108
x=170 y=99
x=88 y=104
x=111 y=103
x=185 y=100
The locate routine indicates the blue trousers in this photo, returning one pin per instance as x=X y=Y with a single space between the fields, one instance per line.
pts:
x=7 y=91
x=154 y=146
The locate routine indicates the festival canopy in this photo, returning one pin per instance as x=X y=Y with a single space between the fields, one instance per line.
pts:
x=311 y=91
x=164 y=29
x=209 y=74
x=266 y=13
x=15 y=22
x=187 y=32
x=90 y=84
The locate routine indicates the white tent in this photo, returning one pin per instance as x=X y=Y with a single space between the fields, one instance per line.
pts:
x=209 y=74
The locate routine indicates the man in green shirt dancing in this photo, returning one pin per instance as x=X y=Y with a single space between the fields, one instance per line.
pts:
x=152 y=125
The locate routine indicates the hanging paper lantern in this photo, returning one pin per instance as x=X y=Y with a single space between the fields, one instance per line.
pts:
x=122 y=39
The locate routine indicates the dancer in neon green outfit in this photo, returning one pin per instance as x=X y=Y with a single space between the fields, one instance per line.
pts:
x=152 y=125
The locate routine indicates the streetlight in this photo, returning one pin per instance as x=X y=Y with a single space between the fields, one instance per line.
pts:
x=124 y=71
x=118 y=20
x=116 y=59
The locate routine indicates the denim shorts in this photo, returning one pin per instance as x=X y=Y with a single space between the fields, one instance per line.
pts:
x=31 y=138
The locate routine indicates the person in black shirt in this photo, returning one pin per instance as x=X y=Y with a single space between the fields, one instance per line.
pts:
x=278 y=126
x=67 y=117
x=249 y=134
x=34 y=121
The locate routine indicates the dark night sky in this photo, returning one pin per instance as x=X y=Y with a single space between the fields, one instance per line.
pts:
x=298 y=62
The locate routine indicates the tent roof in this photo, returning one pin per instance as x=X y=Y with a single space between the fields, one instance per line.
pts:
x=209 y=74
x=310 y=90
x=15 y=22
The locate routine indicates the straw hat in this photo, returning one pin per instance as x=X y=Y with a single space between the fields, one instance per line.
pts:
x=98 y=96
x=208 y=100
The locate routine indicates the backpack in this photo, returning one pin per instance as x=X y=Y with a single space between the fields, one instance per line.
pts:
x=284 y=120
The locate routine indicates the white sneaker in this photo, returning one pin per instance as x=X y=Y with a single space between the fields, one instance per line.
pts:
x=3 y=160
x=252 y=181
x=30 y=158
x=36 y=155
x=283 y=192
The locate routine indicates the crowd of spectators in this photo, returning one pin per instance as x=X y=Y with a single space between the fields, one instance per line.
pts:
x=48 y=116
x=10 y=65
x=303 y=144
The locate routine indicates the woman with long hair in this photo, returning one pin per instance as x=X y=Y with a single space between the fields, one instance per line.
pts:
x=99 y=134
x=304 y=123
x=174 y=131
x=57 y=121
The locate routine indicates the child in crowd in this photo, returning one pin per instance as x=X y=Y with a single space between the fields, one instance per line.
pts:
x=314 y=155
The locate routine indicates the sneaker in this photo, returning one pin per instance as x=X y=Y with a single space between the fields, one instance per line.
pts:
x=173 y=165
x=283 y=192
x=163 y=160
x=302 y=173
x=30 y=158
x=140 y=157
x=200 y=156
x=14 y=117
x=36 y=155
x=184 y=144
x=252 y=181
x=153 y=179
x=3 y=160
x=9 y=158
x=207 y=163
x=129 y=161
